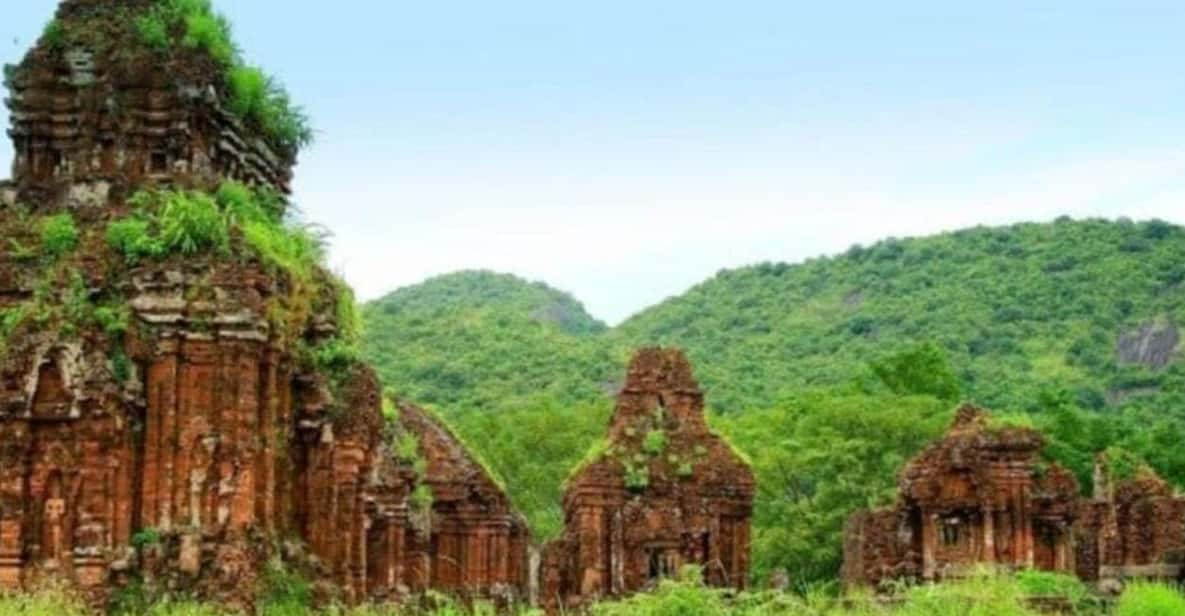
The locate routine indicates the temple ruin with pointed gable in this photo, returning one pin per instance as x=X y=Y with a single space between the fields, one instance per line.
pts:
x=662 y=493
x=984 y=496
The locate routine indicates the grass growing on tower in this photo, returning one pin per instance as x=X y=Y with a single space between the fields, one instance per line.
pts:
x=253 y=95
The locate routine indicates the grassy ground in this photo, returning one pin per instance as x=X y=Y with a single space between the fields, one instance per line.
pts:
x=985 y=593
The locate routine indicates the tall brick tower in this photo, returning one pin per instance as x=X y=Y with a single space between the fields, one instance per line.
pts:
x=176 y=391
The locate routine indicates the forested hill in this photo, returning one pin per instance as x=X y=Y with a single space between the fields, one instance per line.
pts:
x=480 y=340
x=829 y=374
x=1090 y=307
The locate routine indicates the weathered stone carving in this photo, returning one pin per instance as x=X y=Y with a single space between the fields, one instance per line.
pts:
x=662 y=493
x=982 y=495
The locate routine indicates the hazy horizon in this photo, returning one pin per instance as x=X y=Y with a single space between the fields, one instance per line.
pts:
x=624 y=153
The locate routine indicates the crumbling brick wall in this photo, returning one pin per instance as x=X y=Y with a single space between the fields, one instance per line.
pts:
x=1133 y=529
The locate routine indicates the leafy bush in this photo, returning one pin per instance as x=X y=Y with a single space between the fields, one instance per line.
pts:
x=59 y=235
x=1151 y=599
x=335 y=355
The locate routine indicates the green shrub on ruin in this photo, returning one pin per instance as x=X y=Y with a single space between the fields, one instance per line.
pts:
x=153 y=30
x=655 y=442
x=133 y=238
x=253 y=95
x=54 y=34
x=257 y=96
x=59 y=235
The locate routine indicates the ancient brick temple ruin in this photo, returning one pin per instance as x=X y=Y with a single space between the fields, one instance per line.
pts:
x=662 y=492
x=169 y=418
x=983 y=495
x=476 y=543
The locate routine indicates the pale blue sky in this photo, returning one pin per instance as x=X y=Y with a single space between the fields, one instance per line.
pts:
x=624 y=150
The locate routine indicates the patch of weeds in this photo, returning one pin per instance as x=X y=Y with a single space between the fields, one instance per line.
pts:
x=152 y=28
x=422 y=498
x=132 y=238
x=205 y=30
x=77 y=311
x=114 y=319
x=285 y=592
x=637 y=476
x=59 y=235
x=146 y=538
x=121 y=365
x=191 y=222
x=407 y=450
x=258 y=97
x=655 y=442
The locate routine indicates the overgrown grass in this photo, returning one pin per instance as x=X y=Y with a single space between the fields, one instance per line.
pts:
x=1150 y=599
x=258 y=96
x=984 y=593
x=153 y=30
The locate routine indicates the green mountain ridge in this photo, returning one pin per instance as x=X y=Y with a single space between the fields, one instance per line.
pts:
x=1017 y=308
